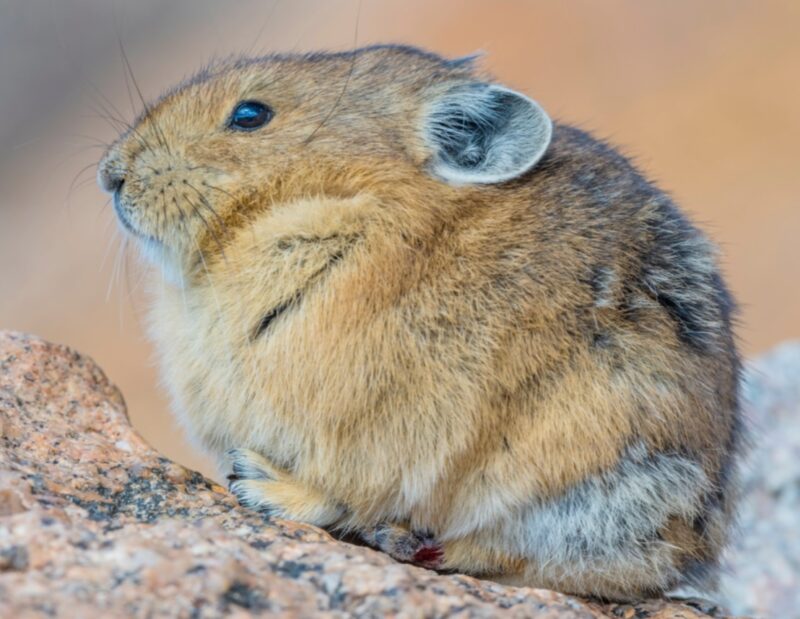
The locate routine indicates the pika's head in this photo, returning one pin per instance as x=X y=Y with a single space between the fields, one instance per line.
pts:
x=245 y=135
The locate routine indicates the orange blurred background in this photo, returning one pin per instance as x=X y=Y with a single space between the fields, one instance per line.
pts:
x=705 y=96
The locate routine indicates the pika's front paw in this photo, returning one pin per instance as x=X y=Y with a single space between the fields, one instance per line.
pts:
x=405 y=545
x=247 y=464
x=260 y=486
x=249 y=482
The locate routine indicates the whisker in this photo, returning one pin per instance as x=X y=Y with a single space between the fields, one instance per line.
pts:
x=210 y=281
x=119 y=119
x=346 y=81
x=205 y=223
x=75 y=183
x=102 y=113
x=131 y=290
x=232 y=197
x=249 y=50
x=204 y=201
x=184 y=228
x=94 y=141
x=106 y=110
x=107 y=105
x=181 y=212
x=85 y=147
x=109 y=244
x=102 y=209
x=26 y=143
x=82 y=171
x=204 y=167
x=121 y=127
x=115 y=119
x=85 y=182
x=147 y=110
x=221 y=190
x=115 y=267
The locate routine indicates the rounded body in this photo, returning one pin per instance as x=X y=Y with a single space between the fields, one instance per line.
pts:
x=538 y=372
x=544 y=380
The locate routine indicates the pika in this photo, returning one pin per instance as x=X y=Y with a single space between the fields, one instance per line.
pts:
x=403 y=303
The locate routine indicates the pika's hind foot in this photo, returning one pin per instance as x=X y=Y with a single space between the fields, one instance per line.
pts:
x=404 y=545
x=260 y=486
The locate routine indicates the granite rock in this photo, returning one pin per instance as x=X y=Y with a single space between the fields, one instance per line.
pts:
x=763 y=563
x=95 y=523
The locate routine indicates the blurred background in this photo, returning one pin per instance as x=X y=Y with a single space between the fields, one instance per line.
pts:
x=704 y=95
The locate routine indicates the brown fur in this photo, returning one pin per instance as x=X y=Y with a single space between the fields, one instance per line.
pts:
x=445 y=354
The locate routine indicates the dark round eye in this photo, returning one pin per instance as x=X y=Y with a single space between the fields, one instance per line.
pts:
x=249 y=115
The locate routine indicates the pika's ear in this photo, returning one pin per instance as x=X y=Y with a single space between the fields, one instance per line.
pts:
x=483 y=133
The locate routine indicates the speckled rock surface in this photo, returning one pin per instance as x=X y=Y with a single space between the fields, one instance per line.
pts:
x=94 y=523
x=764 y=577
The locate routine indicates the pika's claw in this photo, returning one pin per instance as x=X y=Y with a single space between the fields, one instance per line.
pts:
x=246 y=464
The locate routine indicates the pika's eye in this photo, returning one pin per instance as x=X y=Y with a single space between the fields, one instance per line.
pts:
x=250 y=115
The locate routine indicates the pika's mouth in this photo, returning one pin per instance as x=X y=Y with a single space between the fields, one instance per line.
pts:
x=120 y=212
x=122 y=217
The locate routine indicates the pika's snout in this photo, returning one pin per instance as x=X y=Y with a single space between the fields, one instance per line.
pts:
x=109 y=175
x=164 y=197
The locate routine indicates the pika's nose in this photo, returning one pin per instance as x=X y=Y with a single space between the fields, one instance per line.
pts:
x=110 y=178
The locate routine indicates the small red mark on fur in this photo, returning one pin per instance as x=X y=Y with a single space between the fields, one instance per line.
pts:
x=429 y=556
